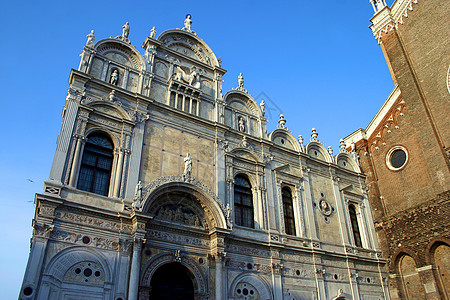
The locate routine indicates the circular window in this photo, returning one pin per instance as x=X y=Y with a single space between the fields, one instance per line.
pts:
x=396 y=158
x=27 y=291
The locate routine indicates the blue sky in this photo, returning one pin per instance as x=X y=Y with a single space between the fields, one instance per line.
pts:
x=314 y=61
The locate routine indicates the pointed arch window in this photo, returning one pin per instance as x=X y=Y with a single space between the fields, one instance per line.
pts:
x=355 y=226
x=288 y=210
x=96 y=164
x=243 y=202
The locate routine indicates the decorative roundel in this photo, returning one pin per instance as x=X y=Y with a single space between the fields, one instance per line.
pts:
x=246 y=291
x=325 y=207
x=396 y=158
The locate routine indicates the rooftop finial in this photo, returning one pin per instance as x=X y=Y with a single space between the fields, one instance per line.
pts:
x=378 y=5
x=282 y=121
x=314 y=135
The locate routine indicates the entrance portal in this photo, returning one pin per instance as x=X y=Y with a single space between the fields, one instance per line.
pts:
x=172 y=282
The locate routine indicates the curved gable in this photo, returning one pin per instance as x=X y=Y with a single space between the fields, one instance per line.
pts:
x=189 y=45
x=243 y=102
x=120 y=52
x=284 y=138
x=318 y=151
x=344 y=160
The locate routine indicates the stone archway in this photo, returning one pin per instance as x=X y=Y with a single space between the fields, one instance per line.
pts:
x=172 y=281
x=169 y=262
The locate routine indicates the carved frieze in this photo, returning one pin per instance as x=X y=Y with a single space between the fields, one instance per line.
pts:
x=96 y=222
x=177 y=238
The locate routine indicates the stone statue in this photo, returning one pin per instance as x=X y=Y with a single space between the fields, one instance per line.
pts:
x=126 y=30
x=187 y=23
x=91 y=39
x=153 y=32
x=187 y=167
x=192 y=78
x=219 y=60
x=241 y=124
x=114 y=77
x=138 y=190
x=263 y=107
x=240 y=81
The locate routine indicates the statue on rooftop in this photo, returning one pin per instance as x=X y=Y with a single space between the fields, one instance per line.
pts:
x=263 y=107
x=187 y=23
x=240 y=81
x=91 y=39
x=153 y=32
x=126 y=30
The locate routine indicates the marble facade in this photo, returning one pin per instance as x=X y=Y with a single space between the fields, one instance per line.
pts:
x=161 y=206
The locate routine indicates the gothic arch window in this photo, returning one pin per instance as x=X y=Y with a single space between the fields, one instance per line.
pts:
x=96 y=164
x=355 y=226
x=243 y=202
x=288 y=210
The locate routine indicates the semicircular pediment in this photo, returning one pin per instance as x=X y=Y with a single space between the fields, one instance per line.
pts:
x=188 y=44
x=119 y=52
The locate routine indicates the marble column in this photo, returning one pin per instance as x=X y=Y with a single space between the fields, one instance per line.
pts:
x=118 y=176
x=64 y=138
x=76 y=161
x=135 y=269
x=220 y=257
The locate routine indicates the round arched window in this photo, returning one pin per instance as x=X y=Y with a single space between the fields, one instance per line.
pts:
x=396 y=158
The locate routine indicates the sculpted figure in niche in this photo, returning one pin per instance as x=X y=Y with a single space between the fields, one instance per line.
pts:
x=241 y=124
x=126 y=30
x=138 y=190
x=187 y=167
x=91 y=39
x=114 y=77
x=187 y=23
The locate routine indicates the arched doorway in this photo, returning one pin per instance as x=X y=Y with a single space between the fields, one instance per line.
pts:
x=172 y=281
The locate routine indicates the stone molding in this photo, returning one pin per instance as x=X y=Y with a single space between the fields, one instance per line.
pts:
x=389 y=19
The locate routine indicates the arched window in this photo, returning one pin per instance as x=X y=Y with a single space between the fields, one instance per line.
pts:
x=288 y=210
x=355 y=227
x=243 y=202
x=96 y=164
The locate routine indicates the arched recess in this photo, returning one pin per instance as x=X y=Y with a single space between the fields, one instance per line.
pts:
x=439 y=253
x=197 y=275
x=317 y=150
x=346 y=161
x=242 y=113
x=173 y=37
x=251 y=282
x=199 y=198
x=61 y=275
x=409 y=279
x=284 y=138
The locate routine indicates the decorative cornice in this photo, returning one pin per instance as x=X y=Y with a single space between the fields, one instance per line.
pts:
x=389 y=18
